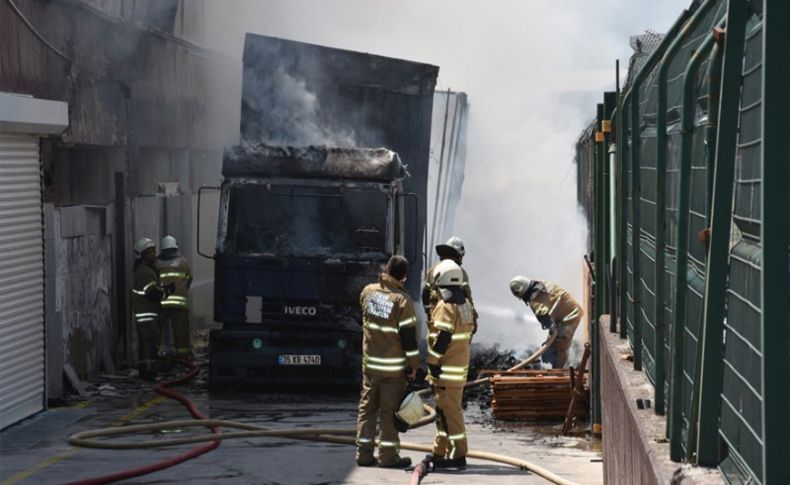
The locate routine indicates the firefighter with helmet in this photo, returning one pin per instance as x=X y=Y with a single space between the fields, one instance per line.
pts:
x=174 y=269
x=453 y=250
x=555 y=309
x=451 y=328
x=390 y=356
x=147 y=295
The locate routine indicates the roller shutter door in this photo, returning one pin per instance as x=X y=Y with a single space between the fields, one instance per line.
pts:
x=22 y=379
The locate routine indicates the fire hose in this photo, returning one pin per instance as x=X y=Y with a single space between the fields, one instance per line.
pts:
x=89 y=439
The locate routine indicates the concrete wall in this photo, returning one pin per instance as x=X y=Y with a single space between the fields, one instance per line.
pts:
x=635 y=448
x=83 y=285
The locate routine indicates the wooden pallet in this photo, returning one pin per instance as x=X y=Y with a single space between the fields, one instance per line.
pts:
x=535 y=395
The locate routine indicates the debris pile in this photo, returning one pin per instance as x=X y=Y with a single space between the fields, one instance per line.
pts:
x=536 y=395
x=488 y=358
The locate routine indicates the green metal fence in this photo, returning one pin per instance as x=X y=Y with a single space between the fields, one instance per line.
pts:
x=691 y=289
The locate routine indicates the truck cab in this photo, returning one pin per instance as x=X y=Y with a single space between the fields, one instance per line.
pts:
x=301 y=231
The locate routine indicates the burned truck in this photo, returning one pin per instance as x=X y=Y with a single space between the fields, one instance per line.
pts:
x=301 y=232
x=303 y=226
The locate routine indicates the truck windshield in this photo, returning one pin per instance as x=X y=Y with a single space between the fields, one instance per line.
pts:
x=291 y=221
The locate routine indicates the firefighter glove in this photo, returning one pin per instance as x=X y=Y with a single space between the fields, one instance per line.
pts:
x=435 y=370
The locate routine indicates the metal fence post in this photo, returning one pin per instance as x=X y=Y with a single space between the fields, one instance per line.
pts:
x=636 y=195
x=775 y=237
x=600 y=265
x=623 y=155
x=709 y=406
x=661 y=163
x=684 y=182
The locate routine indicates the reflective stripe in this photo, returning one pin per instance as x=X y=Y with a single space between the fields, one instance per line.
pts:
x=455 y=437
x=146 y=319
x=385 y=368
x=434 y=353
x=364 y=440
x=385 y=360
x=441 y=433
x=571 y=315
x=412 y=353
x=452 y=377
x=176 y=297
x=454 y=368
x=444 y=326
x=175 y=304
x=138 y=292
x=554 y=305
x=389 y=444
x=182 y=276
x=462 y=336
x=380 y=328
x=150 y=314
x=407 y=322
x=145 y=288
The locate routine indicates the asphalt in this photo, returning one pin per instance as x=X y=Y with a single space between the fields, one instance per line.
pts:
x=36 y=450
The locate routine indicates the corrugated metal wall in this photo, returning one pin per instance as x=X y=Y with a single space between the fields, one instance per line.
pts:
x=21 y=280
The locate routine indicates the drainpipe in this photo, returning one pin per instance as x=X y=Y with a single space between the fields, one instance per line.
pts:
x=681 y=276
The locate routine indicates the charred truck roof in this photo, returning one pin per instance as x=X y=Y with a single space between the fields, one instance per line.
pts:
x=257 y=159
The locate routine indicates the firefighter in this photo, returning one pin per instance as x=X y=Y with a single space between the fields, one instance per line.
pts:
x=453 y=250
x=451 y=328
x=390 y=356
x=174 y=269
x=555 y=309
x=147 y=295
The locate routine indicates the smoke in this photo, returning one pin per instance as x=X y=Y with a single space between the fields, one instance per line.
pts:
x=533 y=71
x=291 y=113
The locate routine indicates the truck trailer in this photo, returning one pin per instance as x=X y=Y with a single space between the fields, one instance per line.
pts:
x=302 y=229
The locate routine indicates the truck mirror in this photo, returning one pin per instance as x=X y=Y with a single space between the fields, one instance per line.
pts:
x=414 y=254
x=200 y=196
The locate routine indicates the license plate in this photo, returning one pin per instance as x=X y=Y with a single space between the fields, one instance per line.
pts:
x=299 y=359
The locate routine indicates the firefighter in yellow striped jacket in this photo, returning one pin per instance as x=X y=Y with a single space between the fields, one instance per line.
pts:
x=174 y=270
x=555 y=309
x=147 y=294
x=390 y=355
x=452 y=326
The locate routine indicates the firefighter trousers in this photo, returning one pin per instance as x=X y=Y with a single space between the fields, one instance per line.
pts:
x=149 y=335
x=380 y=398
x=563 y=342
x=450 y=439
x=179 y=321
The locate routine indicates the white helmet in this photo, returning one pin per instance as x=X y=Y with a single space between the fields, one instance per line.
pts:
x=143 y=244
x=456 y=243
x=168 y=242
x=448 y=273
x=409 y=413
x=519 y=286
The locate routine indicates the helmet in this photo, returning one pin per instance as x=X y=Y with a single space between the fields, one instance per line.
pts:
x=409 y=413
x=456 y=243
x=519 y=286
x=168 y=242
x=453 y=248
x=143 y=244
x=448 y=273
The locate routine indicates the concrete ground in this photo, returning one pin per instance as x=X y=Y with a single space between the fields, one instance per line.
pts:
x=36 y=450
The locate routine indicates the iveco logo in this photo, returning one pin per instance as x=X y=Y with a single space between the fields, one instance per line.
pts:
x=300 y=310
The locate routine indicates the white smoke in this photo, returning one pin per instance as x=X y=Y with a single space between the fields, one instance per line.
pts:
x=533 y=70
x=292 y=113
